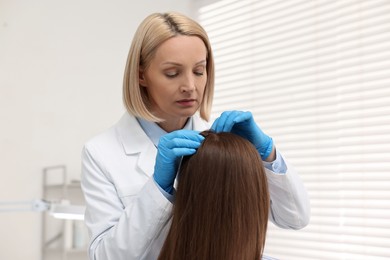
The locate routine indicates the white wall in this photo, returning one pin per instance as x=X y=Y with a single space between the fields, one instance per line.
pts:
x=61 y=68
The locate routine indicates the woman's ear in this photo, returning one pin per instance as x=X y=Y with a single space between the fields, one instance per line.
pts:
x=141 y=78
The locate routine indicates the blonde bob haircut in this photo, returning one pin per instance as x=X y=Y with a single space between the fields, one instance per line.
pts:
x=151 y=33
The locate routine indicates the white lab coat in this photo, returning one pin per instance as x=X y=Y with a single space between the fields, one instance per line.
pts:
x=128 y=216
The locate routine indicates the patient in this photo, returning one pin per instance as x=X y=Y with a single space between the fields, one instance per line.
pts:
x=222 y=202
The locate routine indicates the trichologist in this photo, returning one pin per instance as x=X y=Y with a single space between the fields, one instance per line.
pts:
x=128 y=171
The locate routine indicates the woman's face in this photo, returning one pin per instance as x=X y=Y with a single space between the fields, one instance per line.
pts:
x=176 y=78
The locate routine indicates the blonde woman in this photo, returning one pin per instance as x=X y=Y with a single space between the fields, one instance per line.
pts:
x=128 y=171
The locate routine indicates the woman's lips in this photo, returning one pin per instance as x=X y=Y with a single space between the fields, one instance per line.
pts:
x=186 y=102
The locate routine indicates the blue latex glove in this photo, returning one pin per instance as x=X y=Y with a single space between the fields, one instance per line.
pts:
x=171 y=148
x=242 y=124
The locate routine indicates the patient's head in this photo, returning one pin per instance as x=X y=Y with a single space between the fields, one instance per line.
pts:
x=222 y=202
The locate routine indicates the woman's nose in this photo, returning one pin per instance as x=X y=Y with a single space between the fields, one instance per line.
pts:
x=188 y=84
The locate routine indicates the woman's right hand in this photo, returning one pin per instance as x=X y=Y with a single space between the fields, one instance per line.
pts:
x=171 y=148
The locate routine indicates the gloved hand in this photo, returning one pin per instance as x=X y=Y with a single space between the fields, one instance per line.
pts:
x=242 y=124
x=171 y=148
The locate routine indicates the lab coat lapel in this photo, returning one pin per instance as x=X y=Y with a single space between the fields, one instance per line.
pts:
x=135 y=141
x=147 y=159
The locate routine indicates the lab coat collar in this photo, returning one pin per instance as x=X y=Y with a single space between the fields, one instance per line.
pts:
x=155 y=132
x=133 y=138
x=135 y=141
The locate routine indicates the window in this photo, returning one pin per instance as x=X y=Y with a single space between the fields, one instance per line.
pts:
x=316 y=76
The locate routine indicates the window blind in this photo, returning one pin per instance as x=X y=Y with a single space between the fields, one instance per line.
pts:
x=316 y=76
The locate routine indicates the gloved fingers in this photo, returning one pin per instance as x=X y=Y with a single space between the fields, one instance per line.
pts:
x=184 y=134
x=225 y=122
x=179 y=143
x=178 y=152
x=231 y=121
x=243 y=116
x=246 y=119
x=183 y=143
x=219 y=123
x=181 y=139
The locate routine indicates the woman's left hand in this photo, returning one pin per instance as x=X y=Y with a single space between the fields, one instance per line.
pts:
x=170 y=149
x=243 y=124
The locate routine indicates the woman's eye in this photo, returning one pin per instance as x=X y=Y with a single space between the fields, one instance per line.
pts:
x=171 y=74
x=199 y=70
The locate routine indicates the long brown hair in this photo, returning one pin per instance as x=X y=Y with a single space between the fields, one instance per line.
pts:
x=222 y=203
